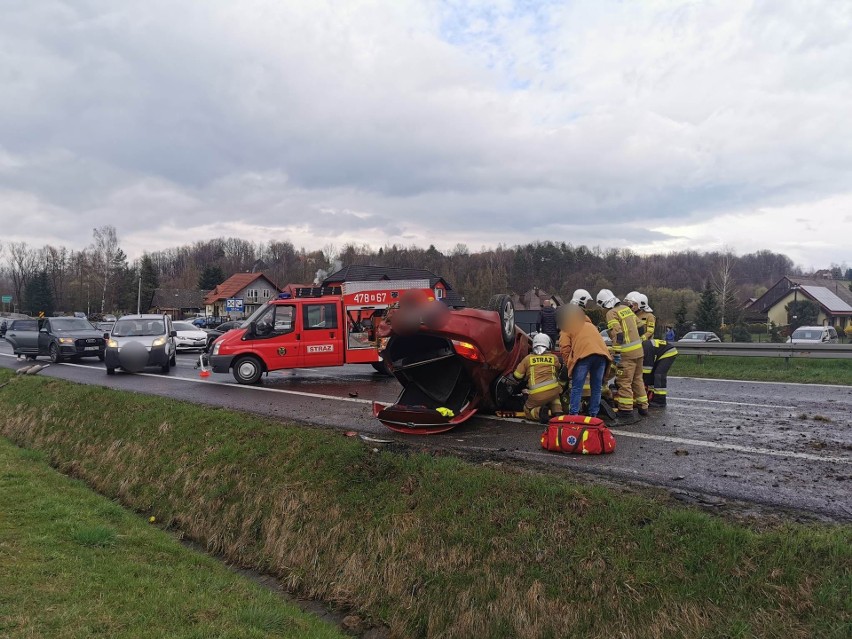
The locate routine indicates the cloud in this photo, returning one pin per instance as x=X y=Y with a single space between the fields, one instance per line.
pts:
x=598 y=122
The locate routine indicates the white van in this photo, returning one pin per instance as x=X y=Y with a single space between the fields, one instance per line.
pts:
x=813 y=335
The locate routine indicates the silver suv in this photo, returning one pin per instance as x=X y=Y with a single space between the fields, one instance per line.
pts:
x=813 y=335
x=138 y=341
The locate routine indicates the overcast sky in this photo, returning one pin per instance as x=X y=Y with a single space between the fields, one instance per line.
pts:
x=655 y=125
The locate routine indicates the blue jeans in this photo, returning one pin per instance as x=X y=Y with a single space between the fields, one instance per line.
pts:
x=594 y=366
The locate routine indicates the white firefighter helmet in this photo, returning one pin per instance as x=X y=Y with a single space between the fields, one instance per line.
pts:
x=634 y=297
x=541 y=344
x=643 y=303
x=581 y=297
x=606 y=298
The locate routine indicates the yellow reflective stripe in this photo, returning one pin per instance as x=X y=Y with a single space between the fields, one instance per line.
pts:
x=519 y=375
x=642 y=400
x=670 y=353
x=627 y=401
x=660 y=391
x=541 y=389
x=647 y=369
x=587 y=387
x=632 y=346
x=612 y=323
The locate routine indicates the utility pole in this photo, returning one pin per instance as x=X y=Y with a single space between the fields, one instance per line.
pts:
x=139 y=295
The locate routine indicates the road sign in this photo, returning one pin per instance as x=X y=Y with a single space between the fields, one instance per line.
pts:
x=6 y=299
x=234 y=305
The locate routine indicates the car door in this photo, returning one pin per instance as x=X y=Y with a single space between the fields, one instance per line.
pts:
x=23 y=335
x=276 y=338
x=321 y=336
x=44 y=337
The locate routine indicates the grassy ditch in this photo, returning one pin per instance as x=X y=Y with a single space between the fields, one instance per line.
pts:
x=433 y=546
x=769 y=369
x=75 y=564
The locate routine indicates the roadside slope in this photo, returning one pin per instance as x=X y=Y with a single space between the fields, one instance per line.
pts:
x=435 y=546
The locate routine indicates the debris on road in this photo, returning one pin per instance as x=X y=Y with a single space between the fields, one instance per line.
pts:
x=681 y=452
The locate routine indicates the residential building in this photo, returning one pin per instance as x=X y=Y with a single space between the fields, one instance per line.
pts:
x=178 y=302
x=254 y=289
x=832 y=296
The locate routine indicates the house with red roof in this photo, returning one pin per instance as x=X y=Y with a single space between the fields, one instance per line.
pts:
x=252 y=289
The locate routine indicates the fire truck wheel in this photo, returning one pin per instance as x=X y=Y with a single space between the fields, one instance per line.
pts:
x=506 y=310
x=247 y=369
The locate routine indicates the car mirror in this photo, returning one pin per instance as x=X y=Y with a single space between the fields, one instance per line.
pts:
x=173 y=334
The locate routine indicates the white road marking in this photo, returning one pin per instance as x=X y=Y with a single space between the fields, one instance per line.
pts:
x=719 y=401
x=618 y=433
x=353 y=400
x=754 y=381
x=698 y=442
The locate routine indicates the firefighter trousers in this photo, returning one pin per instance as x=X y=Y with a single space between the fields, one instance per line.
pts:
x=659 y=379
x=631 y=387
x=532 y=409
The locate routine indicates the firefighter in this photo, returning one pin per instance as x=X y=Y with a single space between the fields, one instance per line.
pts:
x=627 y=346
x=540 y=370
x=581 y=297
x=662 y=355
x=646 y=315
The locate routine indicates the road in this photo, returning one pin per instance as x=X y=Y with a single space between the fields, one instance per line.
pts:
x=719 y=444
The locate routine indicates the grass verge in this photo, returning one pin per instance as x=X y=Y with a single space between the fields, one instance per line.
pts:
x=768 y=369
x=433 y=546
x=75 y=564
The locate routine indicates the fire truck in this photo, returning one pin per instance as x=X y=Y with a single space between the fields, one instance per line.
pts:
x=316 y=327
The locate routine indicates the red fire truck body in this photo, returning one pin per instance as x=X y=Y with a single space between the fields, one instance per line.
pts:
x=319 y=327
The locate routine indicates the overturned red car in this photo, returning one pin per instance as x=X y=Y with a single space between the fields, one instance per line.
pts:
x=451 y=363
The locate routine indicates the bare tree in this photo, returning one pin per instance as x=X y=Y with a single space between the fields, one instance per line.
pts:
x=725 y=285
x=104 y=251
x=22 y=266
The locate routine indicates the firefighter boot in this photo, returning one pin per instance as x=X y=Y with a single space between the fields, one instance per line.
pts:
x=625 y=417
x=544 y=414
x=643 y=412
x=658 y=401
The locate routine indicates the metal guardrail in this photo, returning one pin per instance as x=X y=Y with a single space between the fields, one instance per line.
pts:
x=787 y=351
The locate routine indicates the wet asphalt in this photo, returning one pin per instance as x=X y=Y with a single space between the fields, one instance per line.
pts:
x=719 y=444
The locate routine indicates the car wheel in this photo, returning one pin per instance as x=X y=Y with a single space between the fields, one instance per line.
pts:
x=110 y=371
x=165 y=368
x=381 y=368
x=55 y=357
x=247 y=369
x=173 y=360
x=502 y=304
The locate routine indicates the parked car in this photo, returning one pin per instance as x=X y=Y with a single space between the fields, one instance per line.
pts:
x=214 y=333
x=189 y=337
x=104 y=327
x=813 y=335
x=110 y=318
x=59 y=338
x=453 y=360
x=140 y=341
x=700 y=336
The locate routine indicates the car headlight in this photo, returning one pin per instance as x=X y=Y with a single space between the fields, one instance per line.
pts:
x=159 y=341
x=112 y=344
x=66 y=340
x=216 y=348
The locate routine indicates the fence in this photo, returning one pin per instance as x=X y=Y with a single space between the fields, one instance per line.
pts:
x=787 y=351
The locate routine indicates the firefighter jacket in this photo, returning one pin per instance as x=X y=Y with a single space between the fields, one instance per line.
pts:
x=621 y=323
x=540 y=371
x=583 y=341
x=646 y=323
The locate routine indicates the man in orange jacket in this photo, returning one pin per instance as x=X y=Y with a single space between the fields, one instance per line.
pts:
x=585 y=355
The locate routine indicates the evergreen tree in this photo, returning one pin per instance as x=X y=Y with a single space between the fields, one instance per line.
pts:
x=681 y=326
x=708 y=317
x=38 y=296
x=802 y=313
x=150 y=281
x=210 y=277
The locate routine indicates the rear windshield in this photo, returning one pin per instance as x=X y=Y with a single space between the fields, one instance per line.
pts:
x=70 y=324
x=184 y=326
x=138 y=328
x=806 y=334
